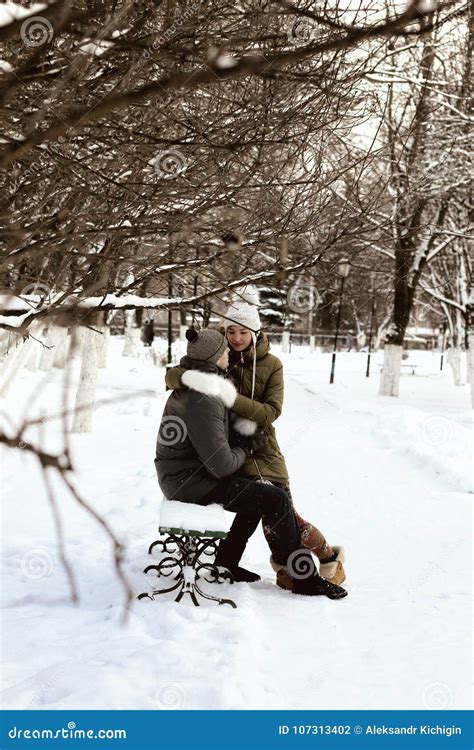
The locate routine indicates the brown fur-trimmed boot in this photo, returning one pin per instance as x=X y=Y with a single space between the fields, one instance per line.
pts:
x=283 y=579
x=334 y=571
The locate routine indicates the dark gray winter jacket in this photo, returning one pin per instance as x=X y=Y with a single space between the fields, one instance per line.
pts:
x=192 y=448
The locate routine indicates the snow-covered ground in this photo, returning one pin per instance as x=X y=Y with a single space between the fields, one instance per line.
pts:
x=388 y=478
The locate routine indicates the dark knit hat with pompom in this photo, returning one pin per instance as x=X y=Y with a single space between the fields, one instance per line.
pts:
x=206 y=345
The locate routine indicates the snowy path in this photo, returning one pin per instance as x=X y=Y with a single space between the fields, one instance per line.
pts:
x=387 y=479
x=394 y=638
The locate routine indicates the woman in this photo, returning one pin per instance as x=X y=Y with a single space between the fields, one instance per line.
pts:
x=258 y=376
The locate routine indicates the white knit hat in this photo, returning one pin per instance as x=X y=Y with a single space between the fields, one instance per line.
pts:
x=244 y=311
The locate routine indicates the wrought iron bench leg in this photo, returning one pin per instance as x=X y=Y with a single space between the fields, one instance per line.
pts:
x=154 y=544
x=215 y=598
x=155 y=592
x=187 y=564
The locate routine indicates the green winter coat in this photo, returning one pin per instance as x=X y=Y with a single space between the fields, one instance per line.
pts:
x=264 y=409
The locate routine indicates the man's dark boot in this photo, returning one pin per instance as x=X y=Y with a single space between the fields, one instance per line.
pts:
x=232 y=548
x=317 y=586
x=301 y=577
x=240 y=574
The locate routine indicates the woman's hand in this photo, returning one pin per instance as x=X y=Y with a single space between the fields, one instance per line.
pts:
x=250 y=444
x=258 y=441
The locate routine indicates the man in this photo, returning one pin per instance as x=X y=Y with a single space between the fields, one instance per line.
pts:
x=195 y=463
x=148 y=333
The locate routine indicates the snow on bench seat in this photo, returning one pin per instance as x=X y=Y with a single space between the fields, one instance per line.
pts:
x=196 y=520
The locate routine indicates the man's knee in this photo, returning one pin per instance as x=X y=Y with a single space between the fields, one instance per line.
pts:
x=276 y=499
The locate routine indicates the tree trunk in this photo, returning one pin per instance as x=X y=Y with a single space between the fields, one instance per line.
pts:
x=470 y=364
x=132 y=342
x=50 y=349
x=76 y=342
x=82 y=420
x=34 y=355
x=455 y=350
x=17 y=359
x=5 y=344
x=361 y=340
x=285 y=342
x=104 y=345
x=132 y=336
x=61 y=349
x=380 y=332
x=390 y=377
x=454 y=359
x=32 y=361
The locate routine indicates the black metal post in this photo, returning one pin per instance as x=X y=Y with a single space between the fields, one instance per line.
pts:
x=443 y=340
x=170 y=321
x=333 y=363
x=195 y=291
x=372 y=316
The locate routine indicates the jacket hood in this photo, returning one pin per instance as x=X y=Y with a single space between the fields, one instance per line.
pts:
x=210 y=384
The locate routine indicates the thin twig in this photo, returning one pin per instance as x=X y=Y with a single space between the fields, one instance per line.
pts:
x=60 y=537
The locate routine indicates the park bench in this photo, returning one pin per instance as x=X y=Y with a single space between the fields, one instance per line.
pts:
x=191 y=534
x=404 y=365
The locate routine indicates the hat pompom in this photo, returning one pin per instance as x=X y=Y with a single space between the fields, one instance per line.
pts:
x=250 y=295
x=191 y=335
